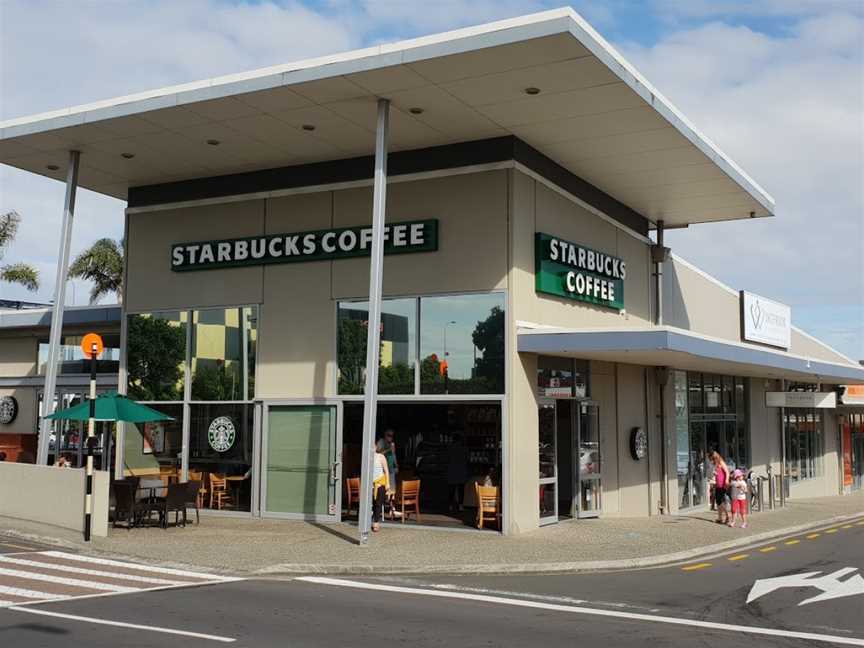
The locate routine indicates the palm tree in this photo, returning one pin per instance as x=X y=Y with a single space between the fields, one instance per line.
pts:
x=20 y=273
x=101 y=263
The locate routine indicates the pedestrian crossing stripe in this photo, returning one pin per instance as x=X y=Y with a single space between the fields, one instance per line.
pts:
x=38 y=577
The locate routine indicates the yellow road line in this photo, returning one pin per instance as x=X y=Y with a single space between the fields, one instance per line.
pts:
x=813 y=535
x=768 y=549
x=832 y=530
x=846 y=526
x=696 y=566
x=739 y=557
x=861 y=523
x=15 y=546
x=792 y=542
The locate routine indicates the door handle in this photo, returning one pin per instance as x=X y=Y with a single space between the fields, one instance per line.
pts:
x=334 y=470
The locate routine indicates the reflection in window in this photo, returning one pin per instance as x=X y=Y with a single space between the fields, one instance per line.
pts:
x=398 y=346
x=559 y=377
x=804 y=443
x=153 y=448
x=223 y=353
x=462 y=344
x=71 y=357
x=220 y=454
x=156 y=349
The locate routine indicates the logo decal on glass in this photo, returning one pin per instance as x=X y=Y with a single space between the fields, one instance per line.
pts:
x=221 y=434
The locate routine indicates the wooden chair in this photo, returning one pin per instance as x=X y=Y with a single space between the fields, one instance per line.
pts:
x=219 y=494
x=352 y=487
x=487 y=505
x=199 y=476
x=409 y=496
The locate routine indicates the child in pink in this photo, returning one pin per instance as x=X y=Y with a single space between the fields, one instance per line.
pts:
x=739 y=499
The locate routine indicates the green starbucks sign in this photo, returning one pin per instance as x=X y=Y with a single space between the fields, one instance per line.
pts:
x=318 y=245
x=569 y=270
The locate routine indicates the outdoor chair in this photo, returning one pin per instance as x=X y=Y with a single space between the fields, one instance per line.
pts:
x=487 y=505
x=219 y=495
x=193 y=495
x=175 y=501
x=200 y=477
x=409 y=498
x=352 y=486
x=126 y=505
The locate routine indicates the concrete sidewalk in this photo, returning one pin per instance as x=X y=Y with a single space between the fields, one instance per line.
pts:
x=254 y=546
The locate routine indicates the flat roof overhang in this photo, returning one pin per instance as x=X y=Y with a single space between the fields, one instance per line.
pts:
x=680 y=349
x=594 y=115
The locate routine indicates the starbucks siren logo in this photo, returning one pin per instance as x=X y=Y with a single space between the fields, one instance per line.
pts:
x=221 y=434
x=8 y=409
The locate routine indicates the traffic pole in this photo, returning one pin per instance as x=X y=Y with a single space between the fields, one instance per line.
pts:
x=91 y=441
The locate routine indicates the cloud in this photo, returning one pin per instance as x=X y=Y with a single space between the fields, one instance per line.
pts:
x=789 y=109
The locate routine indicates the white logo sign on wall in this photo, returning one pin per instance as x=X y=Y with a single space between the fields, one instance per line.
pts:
x=8 y=409
x=765 y=321
x=221 y=434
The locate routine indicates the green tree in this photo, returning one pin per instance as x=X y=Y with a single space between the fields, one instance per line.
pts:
x=20 y=273
x=101 y=264
x=352 y=356
x=156 y=351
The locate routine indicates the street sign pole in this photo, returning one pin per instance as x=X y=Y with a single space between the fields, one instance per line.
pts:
x=92 y=346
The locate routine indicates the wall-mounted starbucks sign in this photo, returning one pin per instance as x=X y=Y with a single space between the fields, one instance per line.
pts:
x=318 y=245
x=570 y=270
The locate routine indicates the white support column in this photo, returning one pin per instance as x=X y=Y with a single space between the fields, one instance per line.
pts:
x=59 y=305
x=373 y=334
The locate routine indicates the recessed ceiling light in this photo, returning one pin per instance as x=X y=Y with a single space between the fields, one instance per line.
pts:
x=213 y=142
x=308 y=127
x=532 y=90
x=52 y=167
x=415 y=111
x=128 y=156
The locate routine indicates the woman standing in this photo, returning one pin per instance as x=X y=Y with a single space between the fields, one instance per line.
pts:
x=380 y=487
x=721 y=487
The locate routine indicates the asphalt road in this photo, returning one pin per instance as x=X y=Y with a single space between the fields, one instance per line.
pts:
x=703 y=603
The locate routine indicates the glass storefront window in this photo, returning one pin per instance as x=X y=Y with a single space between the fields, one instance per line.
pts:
x=223 y=353
x=804 y=443
x=682 y=434
x=156 y=355
x=398 y=346
x=220 y=453
x=559 y=377
x=462 y=344
x=153 y=449
x=71 y=357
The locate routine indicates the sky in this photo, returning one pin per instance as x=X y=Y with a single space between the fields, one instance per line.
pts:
x=776 y=84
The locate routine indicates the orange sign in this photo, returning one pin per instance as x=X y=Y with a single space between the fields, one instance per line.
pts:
x=87 y=344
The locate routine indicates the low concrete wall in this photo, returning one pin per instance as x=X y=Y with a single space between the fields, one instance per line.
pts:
x=52 y=496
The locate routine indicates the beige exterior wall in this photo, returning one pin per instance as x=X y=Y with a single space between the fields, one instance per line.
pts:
x=693 y=301
x=18 y=355
x=26 y=421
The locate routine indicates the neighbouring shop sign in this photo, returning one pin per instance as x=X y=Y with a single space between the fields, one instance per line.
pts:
x=570 y=270
x=8 y=409
x=810 y=400
x=765 y=321
x=318 y=245
x=852 y=395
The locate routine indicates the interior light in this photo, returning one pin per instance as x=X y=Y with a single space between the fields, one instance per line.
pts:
x=532 y=90
x=415 y=111
x=213 y=142
x=52 y=167
x=128 y=156
x=308 y=127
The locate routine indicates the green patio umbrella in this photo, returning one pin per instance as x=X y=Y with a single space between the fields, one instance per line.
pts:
x=111 y=406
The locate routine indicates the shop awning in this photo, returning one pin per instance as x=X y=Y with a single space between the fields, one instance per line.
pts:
x=680 y=349
x=547 y=79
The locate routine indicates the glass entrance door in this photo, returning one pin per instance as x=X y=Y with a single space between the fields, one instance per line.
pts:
x=590 y=488
x=302 y=461
x=547 y=452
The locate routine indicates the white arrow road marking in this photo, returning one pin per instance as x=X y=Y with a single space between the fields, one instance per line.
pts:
x=830 y=584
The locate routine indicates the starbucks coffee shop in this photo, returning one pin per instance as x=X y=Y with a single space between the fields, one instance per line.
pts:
x=535 y=332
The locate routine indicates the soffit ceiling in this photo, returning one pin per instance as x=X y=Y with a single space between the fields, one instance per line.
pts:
x=591 y=116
